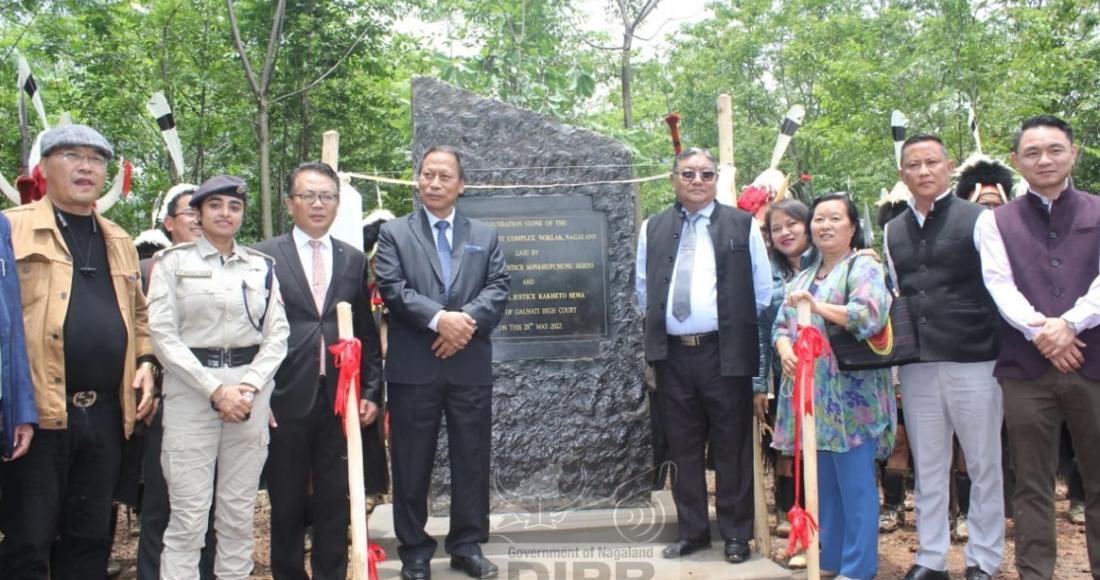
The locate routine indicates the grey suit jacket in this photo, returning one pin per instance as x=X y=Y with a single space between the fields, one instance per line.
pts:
x=411 y=282
x=296 y=379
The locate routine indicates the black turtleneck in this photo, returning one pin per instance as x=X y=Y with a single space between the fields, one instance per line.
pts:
x=95 y=336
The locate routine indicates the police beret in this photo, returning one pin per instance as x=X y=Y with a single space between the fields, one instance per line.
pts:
x=74 y=136
x=220 y=185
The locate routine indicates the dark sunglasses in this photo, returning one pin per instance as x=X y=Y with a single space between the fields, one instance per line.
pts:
x=704 y=176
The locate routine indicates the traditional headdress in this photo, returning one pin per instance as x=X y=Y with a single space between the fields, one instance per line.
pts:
x=982 y=174
x=372 y=225
x=771 y=185
x=892 y=203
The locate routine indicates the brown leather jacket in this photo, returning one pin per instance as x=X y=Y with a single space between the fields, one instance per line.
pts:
x=45 y=277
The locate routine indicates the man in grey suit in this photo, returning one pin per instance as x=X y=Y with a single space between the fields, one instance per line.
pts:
x=315 y=272
x=442 y=276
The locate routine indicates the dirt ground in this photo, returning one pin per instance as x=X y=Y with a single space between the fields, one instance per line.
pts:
x=896 y=550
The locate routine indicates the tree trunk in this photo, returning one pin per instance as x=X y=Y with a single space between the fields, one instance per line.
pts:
x=628 y=114
x=265 y=166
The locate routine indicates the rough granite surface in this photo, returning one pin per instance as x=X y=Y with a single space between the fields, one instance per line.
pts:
x=567 y=434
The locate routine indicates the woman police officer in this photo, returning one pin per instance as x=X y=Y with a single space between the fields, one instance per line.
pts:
x=220 y=332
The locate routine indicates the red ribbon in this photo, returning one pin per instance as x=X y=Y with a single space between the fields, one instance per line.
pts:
x=347 y=355
x=809 y=346
x=31 y=187
x=127 y=177
x=375 y=554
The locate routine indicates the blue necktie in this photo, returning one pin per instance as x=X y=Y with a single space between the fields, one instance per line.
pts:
x=443 y=247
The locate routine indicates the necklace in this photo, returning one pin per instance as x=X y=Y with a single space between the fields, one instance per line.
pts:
x=85 y=269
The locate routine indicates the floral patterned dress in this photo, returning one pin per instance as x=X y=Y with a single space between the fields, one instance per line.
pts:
x=851 y=407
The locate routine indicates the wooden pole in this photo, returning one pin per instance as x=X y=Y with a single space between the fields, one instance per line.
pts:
x=359 y=538
x=760 y=529
x=330 y=149
x=809 y=466
x=727 y=172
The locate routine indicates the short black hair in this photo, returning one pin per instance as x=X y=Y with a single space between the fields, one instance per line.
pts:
x=1041 y=121
x=443 y=149
x=924 y=138
x=316 y=167
x=692 y=152
x=853 y=216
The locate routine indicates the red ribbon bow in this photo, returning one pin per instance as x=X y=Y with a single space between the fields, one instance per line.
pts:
x=809 y=346
x=347 y=355
x=375 y=554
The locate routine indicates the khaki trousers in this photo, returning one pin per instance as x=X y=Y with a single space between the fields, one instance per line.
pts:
x=195 y=442
x=1034 y=413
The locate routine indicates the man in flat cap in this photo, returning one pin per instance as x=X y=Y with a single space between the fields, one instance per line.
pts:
x=91 y=364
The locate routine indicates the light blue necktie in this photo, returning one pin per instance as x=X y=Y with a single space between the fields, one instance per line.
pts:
x=681 y=296
x=443 y=247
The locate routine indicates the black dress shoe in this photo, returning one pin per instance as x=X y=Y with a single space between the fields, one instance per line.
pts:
x=418 y=570
x=476 y=566
x=737 y=551
x=918 y=572
x=976 y=573
x=684 y=547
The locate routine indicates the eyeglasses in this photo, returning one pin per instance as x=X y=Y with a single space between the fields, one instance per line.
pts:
x=704 y=176
x=311 y=198
x=186 y=213
x=75 y=158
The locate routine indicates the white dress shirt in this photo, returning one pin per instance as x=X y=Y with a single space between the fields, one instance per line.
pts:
x=1013 y=305
x=433 y=324
x=305 y=253
x=704 y=280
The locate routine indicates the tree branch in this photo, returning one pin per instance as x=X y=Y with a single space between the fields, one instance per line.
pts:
x=235 y=28
x=326 y=73
x=273 y=45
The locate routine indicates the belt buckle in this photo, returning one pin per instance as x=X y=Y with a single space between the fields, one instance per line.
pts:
x=215 y=358
x=84 y=399
x=692 y=340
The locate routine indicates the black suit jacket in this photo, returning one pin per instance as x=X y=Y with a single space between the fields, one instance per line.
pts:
x=410 y=279
x=296 y=379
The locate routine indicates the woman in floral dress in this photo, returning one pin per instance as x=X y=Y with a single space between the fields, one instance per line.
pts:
x=854 y=411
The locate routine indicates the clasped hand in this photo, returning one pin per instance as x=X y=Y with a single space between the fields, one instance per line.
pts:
x=232 y=403
x=455 y=329
x=1058 y=342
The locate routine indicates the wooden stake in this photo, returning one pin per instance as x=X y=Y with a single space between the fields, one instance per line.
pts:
x=809 y=467
x=330 y=149
x=727 y=172
x=359 y=536
x=760 y=529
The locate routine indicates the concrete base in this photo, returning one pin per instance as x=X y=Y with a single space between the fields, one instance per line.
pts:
x=612 y=543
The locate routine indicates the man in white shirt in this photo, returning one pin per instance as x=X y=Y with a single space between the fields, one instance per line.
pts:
x=1041 y=263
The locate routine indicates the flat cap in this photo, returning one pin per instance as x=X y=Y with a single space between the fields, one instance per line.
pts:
x=74 y=136
x=220 y=185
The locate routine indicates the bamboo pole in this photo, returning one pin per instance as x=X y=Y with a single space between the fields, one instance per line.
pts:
x=727 y=172
x=359 y=538
x=809 y=465
x=330 y=149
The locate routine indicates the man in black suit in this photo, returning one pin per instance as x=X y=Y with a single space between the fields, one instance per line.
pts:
x=442 y=276
x=316 y=272
x=702 y=277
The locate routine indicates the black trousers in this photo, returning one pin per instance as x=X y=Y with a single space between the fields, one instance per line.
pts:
x=301 y=447
x=55 y=502
x=697 y=402
x=415 y=414
x=155 y=511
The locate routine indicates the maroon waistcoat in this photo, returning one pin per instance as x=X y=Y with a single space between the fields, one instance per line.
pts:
x=1054 y=256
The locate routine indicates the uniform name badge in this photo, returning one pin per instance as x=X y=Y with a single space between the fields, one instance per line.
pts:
x=194 y=273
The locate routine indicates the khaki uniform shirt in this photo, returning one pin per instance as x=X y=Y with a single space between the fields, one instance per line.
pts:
x=197 y=299
x=45 y=279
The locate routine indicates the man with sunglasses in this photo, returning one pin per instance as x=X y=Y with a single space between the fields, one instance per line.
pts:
x=704 y=269
x=308 y=449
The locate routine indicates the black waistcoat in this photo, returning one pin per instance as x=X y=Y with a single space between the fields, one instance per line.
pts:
x=940 y=271
x=738 y=339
